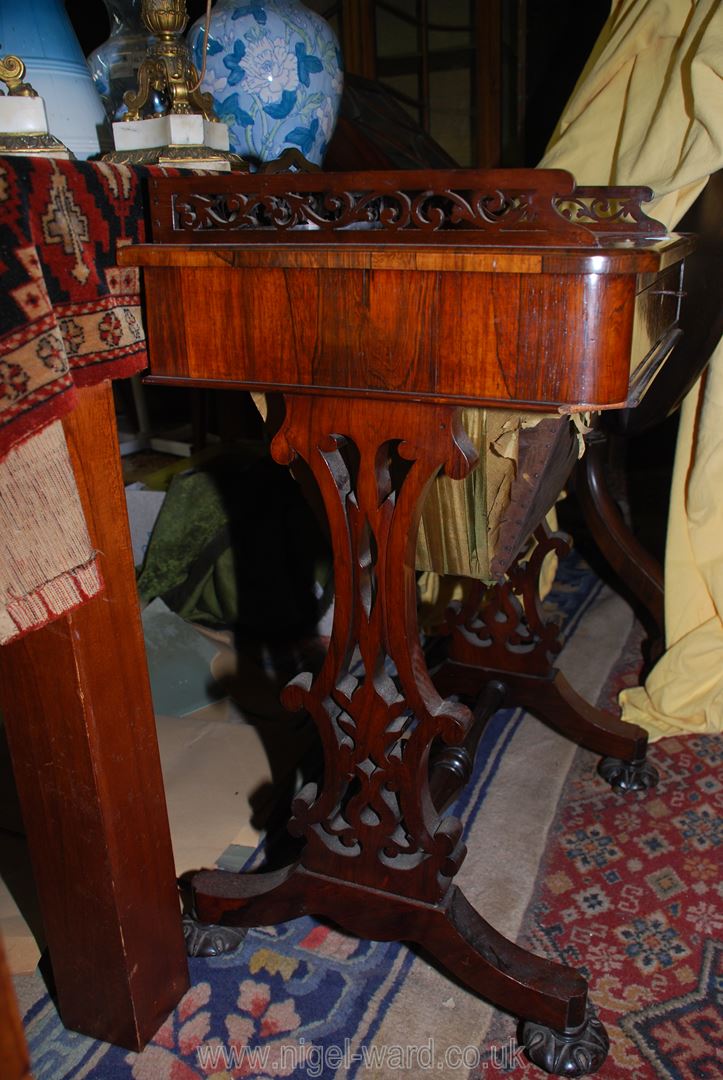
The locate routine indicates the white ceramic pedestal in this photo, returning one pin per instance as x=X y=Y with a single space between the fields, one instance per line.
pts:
x=41 y=34
x=24 y=128
x=176 y=132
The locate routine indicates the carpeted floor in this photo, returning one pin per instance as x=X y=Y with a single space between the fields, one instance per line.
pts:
x=625 y=888
x=629 y=893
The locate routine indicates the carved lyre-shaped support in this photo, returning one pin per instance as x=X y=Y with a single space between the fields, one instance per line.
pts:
x=502 y=634
x=373 y=702
x=380 y=855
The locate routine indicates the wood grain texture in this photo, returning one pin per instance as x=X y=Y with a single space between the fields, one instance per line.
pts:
x=373 y=468
x=538 y=339
x=373 y=346
x=81 y=730
x=649 y=259
x=451 y=931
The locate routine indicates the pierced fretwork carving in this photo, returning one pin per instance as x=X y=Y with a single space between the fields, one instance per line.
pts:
x=393 y=211
x=504 y=627
x=609 y=209
x=373 y=702
x=473 y=206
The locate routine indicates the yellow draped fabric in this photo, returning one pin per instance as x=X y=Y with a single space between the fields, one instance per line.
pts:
x=648 y=109
x=461 y=519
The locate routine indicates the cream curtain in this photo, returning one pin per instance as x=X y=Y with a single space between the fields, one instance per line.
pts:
x=648 y=109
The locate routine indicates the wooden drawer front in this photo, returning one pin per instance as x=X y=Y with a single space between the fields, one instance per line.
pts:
x=545 y=339
x=656 y=312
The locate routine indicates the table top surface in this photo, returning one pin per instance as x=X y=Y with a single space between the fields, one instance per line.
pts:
x=617 y=257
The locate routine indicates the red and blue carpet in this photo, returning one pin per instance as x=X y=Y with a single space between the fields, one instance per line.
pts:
x=625 y=888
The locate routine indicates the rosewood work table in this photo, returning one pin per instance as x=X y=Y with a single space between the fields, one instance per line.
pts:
x=378 y=305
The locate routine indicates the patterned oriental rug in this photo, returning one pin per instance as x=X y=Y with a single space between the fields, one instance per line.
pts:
x=627 y=889
x=68 y=315
x=69 y=318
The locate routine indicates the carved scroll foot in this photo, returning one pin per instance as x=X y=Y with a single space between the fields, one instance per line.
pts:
x=207 y=939
x=225 y=899
x=627 y=776
x=552 y=700
x=451 y=931
x=573 y=1052
x=511 y=977
x=556 y=703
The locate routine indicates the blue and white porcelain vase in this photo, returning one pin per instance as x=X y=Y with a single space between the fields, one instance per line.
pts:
x=274 y=70
x=41 y=34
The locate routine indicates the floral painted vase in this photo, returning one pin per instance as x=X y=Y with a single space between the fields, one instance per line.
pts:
x=274 y=70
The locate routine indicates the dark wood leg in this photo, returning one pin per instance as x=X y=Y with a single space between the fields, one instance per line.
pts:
x=379 y=854
x=81 y=731
x=504 y=638
x=633 y=564
x=450 y=930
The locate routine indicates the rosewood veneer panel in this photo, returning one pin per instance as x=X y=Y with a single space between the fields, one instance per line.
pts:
x=546 y=339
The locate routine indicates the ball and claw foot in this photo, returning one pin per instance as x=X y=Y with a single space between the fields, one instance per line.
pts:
x=204 y=939
x=574 y=1052
x=626 y=776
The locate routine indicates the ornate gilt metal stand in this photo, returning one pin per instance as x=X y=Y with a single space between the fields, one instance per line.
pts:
x=192 y=135
x=28 y=108
x=168 y=68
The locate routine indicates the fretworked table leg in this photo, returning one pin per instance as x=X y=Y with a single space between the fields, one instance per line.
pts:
x=504 y=637
x=450 y=930
x=380 y=854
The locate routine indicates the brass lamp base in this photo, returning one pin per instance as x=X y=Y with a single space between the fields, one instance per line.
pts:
x=23 y=119
x=40 y=144
x=180 y=157
x=187 y=135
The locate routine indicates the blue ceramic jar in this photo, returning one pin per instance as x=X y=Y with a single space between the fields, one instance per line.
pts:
x=274 y=70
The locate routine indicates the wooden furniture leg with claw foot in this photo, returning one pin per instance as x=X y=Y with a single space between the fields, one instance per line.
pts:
x=503 y=637
x=379 y=304
x=380 y=856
